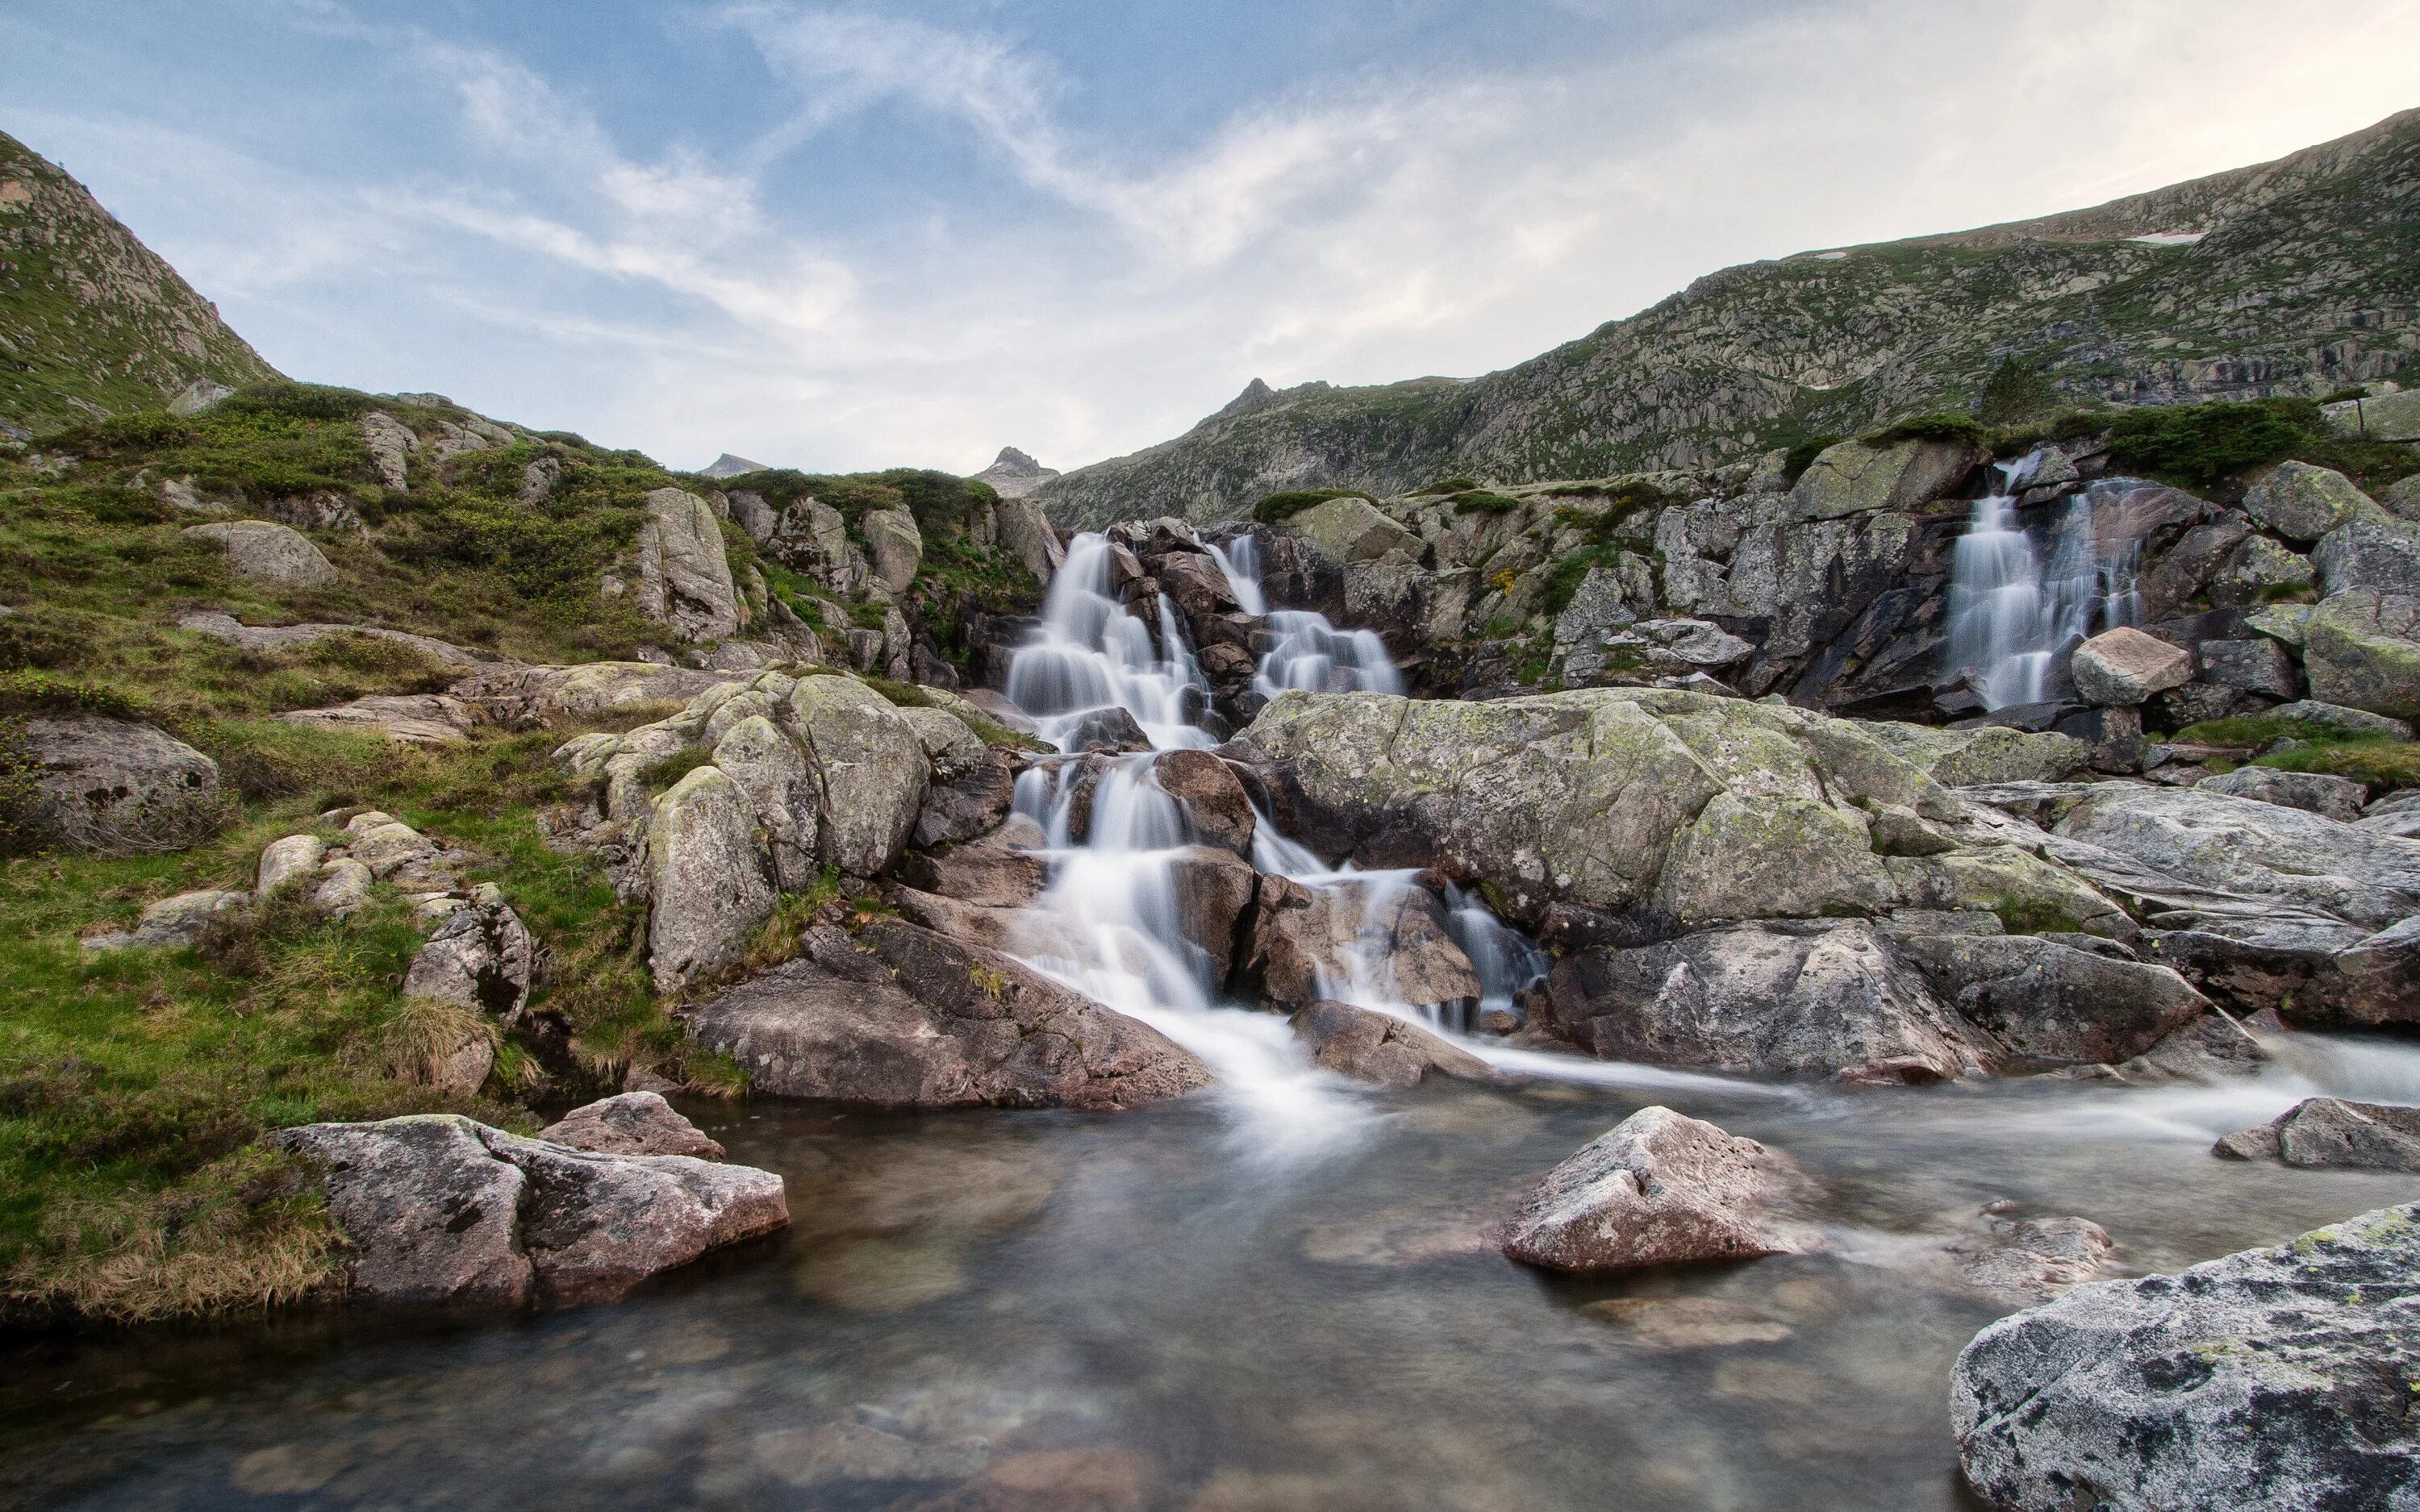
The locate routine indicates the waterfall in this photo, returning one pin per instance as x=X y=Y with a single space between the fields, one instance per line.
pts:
x=1310 y=652
x=1507 y=960
x=1091 y=655
x=2011 y=620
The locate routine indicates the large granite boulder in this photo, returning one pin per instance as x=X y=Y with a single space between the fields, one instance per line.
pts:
x=632 y=1123
x=118 y=787
x=684 y=576
x=901 y=1017
x=479 y=958
x=2047 y=999
x=894 y=545
x=1819 y=999
x=2271 y=1380
x=1381 y=934
x=706 y=879
x=438 y=1209
x=2360 y=648
x=1351 y=529
x=1380 y=1048
x=1661 y=1189
x=2328 y=1130
x=265 y=553
x=875 y=770
x=2125 y=666
x=2303 y=502
x=1855 y=478
x=784 y=789
x=1024 y=533
x=1212 y=796
x=181 y=920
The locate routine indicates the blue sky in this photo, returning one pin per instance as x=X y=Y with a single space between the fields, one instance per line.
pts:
x=849 y=236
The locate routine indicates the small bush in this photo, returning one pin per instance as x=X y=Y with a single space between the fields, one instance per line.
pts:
x=301 y=401
x=2015 y=392
x=1481 y=502
x=33 y=692
x=1287 y=504
x=1935 y=427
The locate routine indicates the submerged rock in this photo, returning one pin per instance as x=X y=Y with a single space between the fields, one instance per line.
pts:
x=1379 y=1048
x=439 y=1208
x=2272 y=1381
x=2327 y=1131
x=901 y=1017
x=1657 y=1189
x=2028 y=1260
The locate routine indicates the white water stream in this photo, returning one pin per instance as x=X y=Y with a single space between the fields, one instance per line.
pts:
x=2012 y=617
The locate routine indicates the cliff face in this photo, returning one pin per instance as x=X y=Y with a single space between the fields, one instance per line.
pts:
x=92 y=321
x=2292 y=277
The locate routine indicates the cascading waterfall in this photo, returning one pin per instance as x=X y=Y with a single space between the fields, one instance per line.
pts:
x=1111 y=922
x=2010 y=620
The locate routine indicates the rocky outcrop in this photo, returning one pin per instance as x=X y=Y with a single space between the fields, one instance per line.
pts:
x=894 y=545
x=1661 y=1189
x=2303 y=502
x=2275 y=1380
x=1379 y=1048
x=524 y=696
x=479 y=958
x=2327 y=1131
x=412 y=718
x=2330 y=798
x=899 y=1016
x=1013 y=474
x=684 y=578
x=181 y=920
x=267 y=553
x=222 y=627
x=632 y=1123
x=706 y=879
x=2045 y=1000
x=116 y=787
x=441 y=1210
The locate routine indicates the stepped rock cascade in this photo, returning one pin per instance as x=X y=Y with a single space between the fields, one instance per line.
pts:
x=1310 y=652
x=1089 y=655
x=2011 y=617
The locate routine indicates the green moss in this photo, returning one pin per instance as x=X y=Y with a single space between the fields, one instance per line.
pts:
x=1481 y=502
x=2036 y=916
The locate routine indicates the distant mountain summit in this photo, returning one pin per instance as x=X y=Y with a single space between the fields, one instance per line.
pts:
x=729 y=466
x=1013 y=474
x=92 y=321
x=2294 y=277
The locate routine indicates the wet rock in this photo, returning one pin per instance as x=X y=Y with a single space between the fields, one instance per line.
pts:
x=875 y=770
x=171 y=922
x=267 y=553
x=991 y=872
x=1304 y=944
x=2029 y=1259
x=2125 y=666
x=1821 y=1000
x=2277 y=1380
x=684 y=576
x=2331 y=797
x=1379 y=1048
x=480 y=959
x=413 y=718
x=2210 y=1048
x=1212 y=795
x=2328 y=1130
x=2303 y=502
x=707 y=880
x=632 y=1123
x=2041 y=998
x=438 y=1209
x=116 y=787
x=1660 y=1189
x=1111 y=729
x=905 y=1018
x=1212 y=888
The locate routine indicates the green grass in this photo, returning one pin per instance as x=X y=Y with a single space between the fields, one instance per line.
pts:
x=2378 y=762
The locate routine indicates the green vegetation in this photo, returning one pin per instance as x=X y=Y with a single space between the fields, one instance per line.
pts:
x=1446 y=485
x=2201 y=445
x=1481 y=502
x=2016 y=392
x=1930 y=428
x=1284 y=505
x=2380 y=764
x=1802 y=456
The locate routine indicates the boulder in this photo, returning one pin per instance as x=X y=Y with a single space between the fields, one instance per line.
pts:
x=173 y=921
x=1379 y=1048
x=1212 y=796
x=1380 y=935
x=2258 y=567
x=2249 y=848
x=396 y=853
x=684 y=576
x=633 y=1124
x=295 y=858
x=2256 y=665
x=901 y=1017
x=391 y=443
x=970 y=803
x=480 y=958
x=874 y=766
x=1211 y=889
x=2360 y=648
x=267 y=553
x=1107 y=729
x=2377 y=417
x=2327 y=1131
x=2125 y=666
x=1024 y=533
x=2339 y=716
x=1350 y=530
x=441 y=1210
x=2381 y=555
x=1853 y=478
x=783 y=790
x=340 y=886
x=707 y=880
x=2333 y=798
x=2045 y=1000
x=118 y=787
x=1661 y=1189
x=1822 y=1000
x=2303 y=502
x=412 y=719
x=894 y=545
x=2271 y=1380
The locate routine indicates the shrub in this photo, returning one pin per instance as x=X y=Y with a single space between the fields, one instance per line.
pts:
x=1481 y=502
x=33 y=692
x=2201 y=444
x=301 y=401
x=1934 y=427
x=2016 y=390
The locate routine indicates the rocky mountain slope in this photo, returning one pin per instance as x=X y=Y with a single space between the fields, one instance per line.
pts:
x=2294 y=277
x=92 y=321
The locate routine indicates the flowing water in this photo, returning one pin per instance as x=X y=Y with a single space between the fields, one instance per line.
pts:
x=1274 y=1296
x=2013 y=616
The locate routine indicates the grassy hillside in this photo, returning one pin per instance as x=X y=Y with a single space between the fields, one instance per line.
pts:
x=92 y=321
x=2305 y=278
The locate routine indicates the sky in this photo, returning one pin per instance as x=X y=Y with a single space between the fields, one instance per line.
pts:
x=841 y=238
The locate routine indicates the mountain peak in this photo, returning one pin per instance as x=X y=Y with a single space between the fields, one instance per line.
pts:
x=1013 y=474
x=729 y=466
